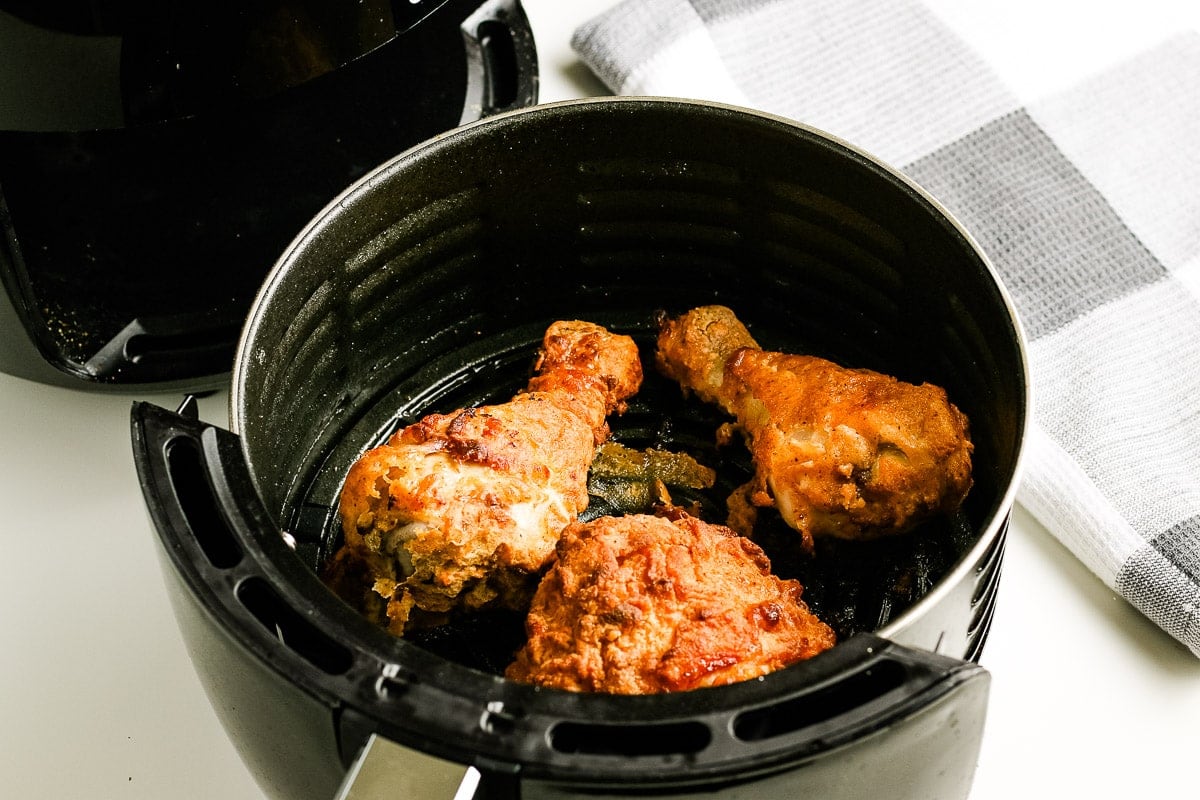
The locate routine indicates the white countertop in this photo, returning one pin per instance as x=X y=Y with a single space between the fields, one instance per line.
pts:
x=98 y=698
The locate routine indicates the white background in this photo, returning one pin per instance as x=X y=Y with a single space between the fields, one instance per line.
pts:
x=98 y=698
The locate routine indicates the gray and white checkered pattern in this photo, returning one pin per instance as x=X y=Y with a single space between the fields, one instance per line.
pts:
x=1087 y=202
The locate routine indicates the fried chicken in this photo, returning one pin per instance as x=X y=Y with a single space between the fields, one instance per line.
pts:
x=849 y=453
x=461 y=511
x=641 y=604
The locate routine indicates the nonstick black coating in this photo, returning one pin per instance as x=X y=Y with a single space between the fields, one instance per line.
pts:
x=134 y=246
x=428 y=288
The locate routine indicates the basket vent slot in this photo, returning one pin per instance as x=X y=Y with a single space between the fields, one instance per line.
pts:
x=291 y=628
x=199 y=505
x=602 y=739
x=842 y=697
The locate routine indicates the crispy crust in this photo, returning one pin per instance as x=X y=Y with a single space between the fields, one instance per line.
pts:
x=461 y=511
x=842 y=452
x=642 y=604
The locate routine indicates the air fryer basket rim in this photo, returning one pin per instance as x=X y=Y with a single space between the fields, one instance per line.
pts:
x=996 y=522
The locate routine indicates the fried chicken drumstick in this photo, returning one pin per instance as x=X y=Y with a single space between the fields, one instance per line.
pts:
x=461 y=511
x=641 y=604
x=841 y=452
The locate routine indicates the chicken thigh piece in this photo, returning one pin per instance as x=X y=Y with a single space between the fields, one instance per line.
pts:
x=849 y=453
x=642 y=604
x=461 y=511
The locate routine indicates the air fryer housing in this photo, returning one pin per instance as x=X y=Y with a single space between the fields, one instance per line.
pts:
x=426 y=287
x=155 y=158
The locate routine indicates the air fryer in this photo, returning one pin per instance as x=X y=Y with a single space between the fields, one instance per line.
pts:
x=426 y=287
x=156 y=157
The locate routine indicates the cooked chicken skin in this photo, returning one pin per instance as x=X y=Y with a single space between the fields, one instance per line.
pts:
x=850 y=453
x=640 y=604
x=460 y=511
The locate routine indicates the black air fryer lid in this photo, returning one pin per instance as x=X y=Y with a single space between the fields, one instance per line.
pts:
x=155 y=158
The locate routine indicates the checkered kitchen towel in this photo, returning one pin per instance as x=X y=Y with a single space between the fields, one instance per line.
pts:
x=1088 y=203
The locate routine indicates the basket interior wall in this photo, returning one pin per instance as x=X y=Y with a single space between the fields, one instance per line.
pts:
x=432 y=285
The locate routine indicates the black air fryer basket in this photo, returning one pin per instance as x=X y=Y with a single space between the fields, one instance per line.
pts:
x=426 y=288
x=156 y=157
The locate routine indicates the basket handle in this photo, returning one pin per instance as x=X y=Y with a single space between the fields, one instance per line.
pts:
x=501 y=60
x=385 y=770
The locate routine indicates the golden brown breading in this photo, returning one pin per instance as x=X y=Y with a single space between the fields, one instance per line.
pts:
x=850 y=453
x=641 y=604
x=462 y=510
